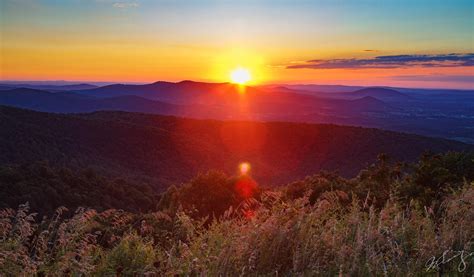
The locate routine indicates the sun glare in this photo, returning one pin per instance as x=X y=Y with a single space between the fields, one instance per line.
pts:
x=240 y=76
x=244 y=168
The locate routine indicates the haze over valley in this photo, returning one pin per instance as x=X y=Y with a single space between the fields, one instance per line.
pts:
x=430 y=112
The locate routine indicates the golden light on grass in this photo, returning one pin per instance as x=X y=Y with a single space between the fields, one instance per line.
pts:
x=240 y=76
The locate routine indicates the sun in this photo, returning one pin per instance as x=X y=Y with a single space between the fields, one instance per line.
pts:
x=240 y=76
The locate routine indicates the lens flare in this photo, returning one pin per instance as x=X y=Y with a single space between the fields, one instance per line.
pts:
x=244 y=168
x=246 y=187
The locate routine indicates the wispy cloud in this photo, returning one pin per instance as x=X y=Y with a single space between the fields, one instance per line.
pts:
x=393 y=61
x=120 y=4
x=125 y=5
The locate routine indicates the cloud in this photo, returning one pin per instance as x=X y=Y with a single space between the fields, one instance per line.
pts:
x=120 y=4
x=393 y=61
x=125 y=5
x=370 y=50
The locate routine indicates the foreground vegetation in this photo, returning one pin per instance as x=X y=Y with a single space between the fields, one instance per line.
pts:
x=392 y=219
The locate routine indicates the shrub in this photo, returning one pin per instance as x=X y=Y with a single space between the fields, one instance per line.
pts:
x=133 y=255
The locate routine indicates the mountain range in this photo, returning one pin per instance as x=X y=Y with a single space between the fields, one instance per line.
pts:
x=7 y=86
x=437 y=113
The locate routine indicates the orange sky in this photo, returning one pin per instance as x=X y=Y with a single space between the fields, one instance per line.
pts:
x=146 y=41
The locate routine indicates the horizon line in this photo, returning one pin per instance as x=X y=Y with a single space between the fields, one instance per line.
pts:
x=106 y=83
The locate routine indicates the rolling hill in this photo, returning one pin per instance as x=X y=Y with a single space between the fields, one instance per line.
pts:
x=166 y=149
x=188 y=98
x=379 y=93
x=47 y=87
x=66 y=102
x=226 y=94
x=439 y=115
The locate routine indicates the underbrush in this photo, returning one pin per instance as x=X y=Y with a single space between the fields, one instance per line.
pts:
x=271 y=236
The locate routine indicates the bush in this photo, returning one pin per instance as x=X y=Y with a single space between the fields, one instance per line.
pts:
x=210 y=194
x=131 y=256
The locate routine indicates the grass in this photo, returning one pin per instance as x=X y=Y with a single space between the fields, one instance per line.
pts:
x=273 y=236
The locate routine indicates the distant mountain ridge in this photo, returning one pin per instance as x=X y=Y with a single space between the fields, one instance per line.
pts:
x=195 y=99
x=48 y=87
x=76 y=103
x=371 y=103
x=441 y=113
x=160 y=90
x=384 y=94
x=379 y=93
x=308 y=88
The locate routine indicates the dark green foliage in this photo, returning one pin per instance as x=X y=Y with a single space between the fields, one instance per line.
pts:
x=427 y=182
x=435 y=176
x=210 y=194
x=378 y=180
x=47 y=188
x=316 y=185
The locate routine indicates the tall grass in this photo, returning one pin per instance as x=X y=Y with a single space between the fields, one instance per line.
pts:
x=271 y=237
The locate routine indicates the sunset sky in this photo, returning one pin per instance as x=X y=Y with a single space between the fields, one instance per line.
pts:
x=400 y=43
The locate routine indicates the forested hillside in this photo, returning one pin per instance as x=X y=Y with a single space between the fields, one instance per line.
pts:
x=46 y=188
x=164 y=150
